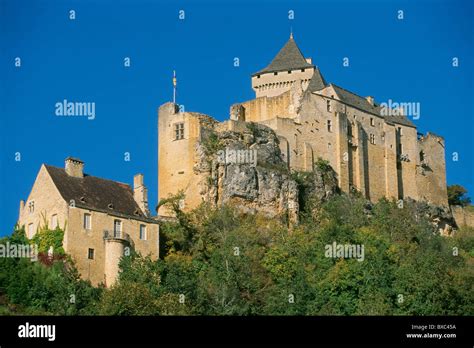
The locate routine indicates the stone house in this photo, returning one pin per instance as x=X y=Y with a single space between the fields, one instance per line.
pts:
x=102 y=219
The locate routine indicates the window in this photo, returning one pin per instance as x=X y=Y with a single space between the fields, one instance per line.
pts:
x=117 y=228
x=289 y=71
x=372 y=122
x=54 y=221
x=422 y=156
x=30 y=231
x=275 y=73
x=329 y=126
x=31 y=207
x=179 y=131
x=328 y=105
x=258 y=76
x=87 y=221
x=302 y=70
x=400 y=132
x=90 y=254
x=372 y=139
x=143 y=232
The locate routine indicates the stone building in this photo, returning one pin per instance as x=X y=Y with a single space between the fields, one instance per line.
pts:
x=375 y=151
x=100 y=218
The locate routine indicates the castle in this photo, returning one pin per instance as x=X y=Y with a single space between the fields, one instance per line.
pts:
x=300 y=117
x=375 y=152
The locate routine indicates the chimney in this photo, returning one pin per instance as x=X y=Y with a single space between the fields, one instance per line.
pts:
x=371 y=100
x=22 y=206
x=140 y=194
x=74 y=167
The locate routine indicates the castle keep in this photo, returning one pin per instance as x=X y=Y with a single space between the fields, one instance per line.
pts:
x=377 y=155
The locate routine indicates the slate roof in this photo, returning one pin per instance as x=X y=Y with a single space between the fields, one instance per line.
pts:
x=317 y=81
x=95 y=193
x=363 y=104
x=289 y=58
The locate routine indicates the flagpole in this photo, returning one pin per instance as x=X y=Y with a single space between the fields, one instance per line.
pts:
x=174 y=86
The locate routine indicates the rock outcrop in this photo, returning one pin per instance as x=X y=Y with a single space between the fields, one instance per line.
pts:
x=246 y=169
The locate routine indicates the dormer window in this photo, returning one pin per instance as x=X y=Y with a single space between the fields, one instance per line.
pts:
x=111 y=206
x=83 y=199
x=179 y=131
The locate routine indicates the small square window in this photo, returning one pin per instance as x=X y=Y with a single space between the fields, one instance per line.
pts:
x=275 y=73
x=179 y=131
x=90 y=254
x=302 y=70
x=289 y=71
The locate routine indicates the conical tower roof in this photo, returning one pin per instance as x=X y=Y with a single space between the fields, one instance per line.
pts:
x=289 y=58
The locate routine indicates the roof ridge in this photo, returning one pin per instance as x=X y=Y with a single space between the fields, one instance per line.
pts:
x=90 y=176
x=348 y=91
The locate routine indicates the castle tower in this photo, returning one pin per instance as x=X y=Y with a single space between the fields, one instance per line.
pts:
x=287 y=68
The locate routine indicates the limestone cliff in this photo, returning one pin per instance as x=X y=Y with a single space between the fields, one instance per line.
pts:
x=246 y=169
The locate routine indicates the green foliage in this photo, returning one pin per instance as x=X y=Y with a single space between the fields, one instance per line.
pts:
x=221 y=262
x=46 y=238
x=457 y=195
x=32 y=288
x=323 y=165
x=212 y=144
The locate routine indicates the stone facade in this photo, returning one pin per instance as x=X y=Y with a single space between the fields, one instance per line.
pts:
x=95 y=236
x=377 y=155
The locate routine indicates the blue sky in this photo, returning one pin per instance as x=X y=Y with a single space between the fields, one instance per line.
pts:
x=82 y=60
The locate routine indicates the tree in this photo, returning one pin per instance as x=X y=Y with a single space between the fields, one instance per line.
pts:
x=457 y=195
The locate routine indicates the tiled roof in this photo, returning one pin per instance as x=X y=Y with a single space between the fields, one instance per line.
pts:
x=95 y=193
x=289 y=58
